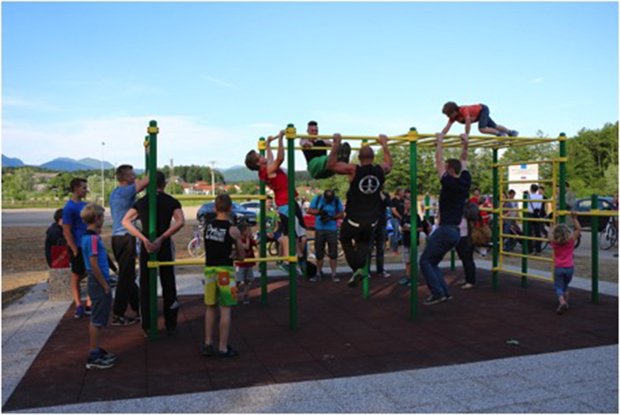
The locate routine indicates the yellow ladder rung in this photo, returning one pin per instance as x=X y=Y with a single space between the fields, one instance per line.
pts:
x=523 y=274
x=533 y=257
x=528 y=238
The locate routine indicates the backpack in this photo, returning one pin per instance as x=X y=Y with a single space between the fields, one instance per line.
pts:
x=471 y=211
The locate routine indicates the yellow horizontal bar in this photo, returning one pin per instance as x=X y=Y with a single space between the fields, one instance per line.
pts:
x=201 y=261
x=594 y=212
x=523 y=274
x=517 y=163
x=211 y=197
x=488 y=210
x=528 y=238
x=329 y=148
x=352 y=137
x=536 y=258
x=526 y=219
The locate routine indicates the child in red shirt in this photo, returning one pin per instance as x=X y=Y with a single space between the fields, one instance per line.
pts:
x=468 y=114
x=563 y=243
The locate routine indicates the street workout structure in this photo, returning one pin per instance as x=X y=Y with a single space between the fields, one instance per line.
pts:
x=414 y=141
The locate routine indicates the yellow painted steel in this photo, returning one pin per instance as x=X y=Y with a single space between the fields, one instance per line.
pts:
x=526 y=219
x=326 y=148
x=538 y=277
x=212 y=197
x=350 y=137
x=201 y=261
x=262 y=145
x=527 y=238
x=152 y=130
x=271 y=259
x=536 y=258
x=594 y=212
x=527 y=200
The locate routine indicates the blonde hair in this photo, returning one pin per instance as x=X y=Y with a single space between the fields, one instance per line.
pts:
x=91 y=213
x=561 y=234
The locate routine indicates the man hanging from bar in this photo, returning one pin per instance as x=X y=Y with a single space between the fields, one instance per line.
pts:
x=364 y=202
x=317 y=158
x=269 y=171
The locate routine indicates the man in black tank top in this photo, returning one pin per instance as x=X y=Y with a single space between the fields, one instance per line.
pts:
x=364 y=202
x=222 y=244
x=317 y=158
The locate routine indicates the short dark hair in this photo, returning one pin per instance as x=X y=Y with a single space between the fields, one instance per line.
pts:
x=77 y=181
x=122 y=170
x=223 y=203
x=534 y=188
x=160 y=179
x=511 y=191
x=455 y=165
x=366 y=153
x=449 y=107
x=251 y=160
x=312 y=123
x=57 y=215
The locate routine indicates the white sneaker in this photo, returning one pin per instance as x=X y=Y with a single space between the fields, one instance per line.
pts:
x=467 y=286
x=335 y=278
x=386 y=274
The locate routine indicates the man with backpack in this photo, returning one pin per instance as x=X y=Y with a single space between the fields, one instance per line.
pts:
x=328 y=209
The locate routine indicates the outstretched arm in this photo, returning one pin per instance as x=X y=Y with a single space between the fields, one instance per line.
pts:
x=127 y=222
x=577 y=225
x=339 y=167
x=464 y=145
x=273 y=165
x=447 y=127
x=387 y=156
x=441 y=169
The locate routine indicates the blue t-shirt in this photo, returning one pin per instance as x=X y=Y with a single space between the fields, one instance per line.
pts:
x=319 y=202
x=452 y=197
x=121 y=199
x=71 y=216
x=92 y=245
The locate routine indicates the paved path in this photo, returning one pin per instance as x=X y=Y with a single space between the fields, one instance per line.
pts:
x=582 y=380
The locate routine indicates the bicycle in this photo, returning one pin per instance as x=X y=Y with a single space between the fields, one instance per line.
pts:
x=195 y=247
x=609 y=237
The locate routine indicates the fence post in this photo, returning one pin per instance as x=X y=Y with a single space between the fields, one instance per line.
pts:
x=291 y=134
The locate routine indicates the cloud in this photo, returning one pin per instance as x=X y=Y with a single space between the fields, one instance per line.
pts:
x=538 y=80
x=26 y=104
x=219 y=82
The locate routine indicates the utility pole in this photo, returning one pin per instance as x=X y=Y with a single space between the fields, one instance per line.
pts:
x=102 y=176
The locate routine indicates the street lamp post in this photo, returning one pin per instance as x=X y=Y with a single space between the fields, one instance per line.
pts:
x=102 y=176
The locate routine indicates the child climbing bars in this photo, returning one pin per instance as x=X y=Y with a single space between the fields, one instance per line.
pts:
x=468 y=114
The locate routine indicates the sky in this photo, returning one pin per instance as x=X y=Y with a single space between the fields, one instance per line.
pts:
x=217 y=76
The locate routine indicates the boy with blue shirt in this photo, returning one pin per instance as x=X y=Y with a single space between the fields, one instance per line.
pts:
x=122 y=199
x=98 y=269
x=328 y=209
x=73 y=229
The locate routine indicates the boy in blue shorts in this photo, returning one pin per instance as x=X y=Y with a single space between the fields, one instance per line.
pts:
x=98 y=270
x=222 y=242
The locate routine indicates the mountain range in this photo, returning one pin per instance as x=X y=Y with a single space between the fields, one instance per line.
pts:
x=60 y=164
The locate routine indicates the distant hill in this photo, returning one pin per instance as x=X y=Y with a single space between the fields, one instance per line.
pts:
x=238 y=174
x=95 y=164
x=65 y=164
x=11 y=162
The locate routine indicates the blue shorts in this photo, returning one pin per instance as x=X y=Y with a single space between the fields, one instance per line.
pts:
x=102 y=302
x=561 y=279
x=484 y=120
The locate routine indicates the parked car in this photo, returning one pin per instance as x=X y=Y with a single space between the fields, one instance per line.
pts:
x=239 y=214
x=252 y=206
x=585 y=205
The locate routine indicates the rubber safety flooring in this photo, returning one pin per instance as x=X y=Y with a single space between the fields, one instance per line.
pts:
x=339 y=334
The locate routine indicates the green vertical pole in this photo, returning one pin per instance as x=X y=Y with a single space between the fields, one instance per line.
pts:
x=524 y=244
x=291 y=133
x=152 y=199
x=413 y=252
x=496 y=241
x=452 y=260
x=263 y=232
x=366 y=273
x=427 y=205
x=146 y=154
x=594 y=255
x=562 y=183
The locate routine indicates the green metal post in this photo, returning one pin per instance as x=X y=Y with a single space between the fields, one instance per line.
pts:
x=291 y=133
x=263 y=232
x=562 y=183
x=146 y=153
x=496 y=241
x=594 y=255
x=524 y=244
x=366 y=274
x=413 y=252
x=427 y=205
x=152 y=199
x=452 y=260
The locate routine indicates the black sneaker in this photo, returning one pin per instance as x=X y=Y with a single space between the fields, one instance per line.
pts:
x=123 y=321
x=344 y=152
x=207 y=350
x=230 y=352
x=99 y=363
x=431 y=300
x=107 y=356
x=88 y=311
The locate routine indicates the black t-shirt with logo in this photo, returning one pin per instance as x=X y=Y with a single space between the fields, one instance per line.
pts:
x=364 y=202
x=218 y=243
x=310 y=153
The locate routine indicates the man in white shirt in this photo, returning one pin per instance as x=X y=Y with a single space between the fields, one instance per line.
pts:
x=535 y=210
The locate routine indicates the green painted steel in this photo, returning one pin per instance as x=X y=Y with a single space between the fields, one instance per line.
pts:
x=452 y=260
x=496 y=241
x=594 y=258
x=524 y=244
x=562 y=182
x=427 y=205
x=366 y=273
x=292 y=237
x=413 y=252
x=263 y=233
x=152 y=199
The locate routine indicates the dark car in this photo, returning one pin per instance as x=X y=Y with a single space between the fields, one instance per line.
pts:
x=238 y=214
x=585 y=205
